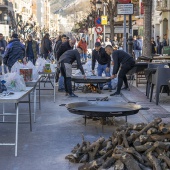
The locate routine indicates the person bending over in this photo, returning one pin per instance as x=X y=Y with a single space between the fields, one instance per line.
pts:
x=123 y=62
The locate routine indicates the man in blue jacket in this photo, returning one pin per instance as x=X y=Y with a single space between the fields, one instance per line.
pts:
x=14 y=51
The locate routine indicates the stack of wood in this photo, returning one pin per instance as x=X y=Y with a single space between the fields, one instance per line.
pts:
x=131 y=147
x=90 y=88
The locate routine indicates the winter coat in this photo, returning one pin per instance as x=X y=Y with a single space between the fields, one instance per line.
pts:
x=3 y=44
x=83 y=45
x=35 y=48
x=46 y=46
x=14 y=51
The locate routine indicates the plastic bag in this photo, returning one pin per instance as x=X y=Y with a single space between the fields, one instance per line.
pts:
x=34 y=70
x=40 y=63
x=14 y=82
x=16 y=67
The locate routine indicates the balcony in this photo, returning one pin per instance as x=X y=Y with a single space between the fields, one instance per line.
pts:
x=162 y=5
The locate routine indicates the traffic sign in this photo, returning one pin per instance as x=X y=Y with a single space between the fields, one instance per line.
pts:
x=125 y=9
x=104 y=20
x=99 y=29
x=98 y=21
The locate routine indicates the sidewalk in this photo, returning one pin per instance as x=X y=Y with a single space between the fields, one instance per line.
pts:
x=56 y=130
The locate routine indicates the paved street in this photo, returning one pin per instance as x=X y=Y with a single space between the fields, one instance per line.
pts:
x=56 y=131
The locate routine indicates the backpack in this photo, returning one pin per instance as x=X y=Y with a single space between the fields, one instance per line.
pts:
x=138 y=45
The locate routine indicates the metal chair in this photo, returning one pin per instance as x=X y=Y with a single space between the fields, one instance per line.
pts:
x=159 y=79
x=131 y=74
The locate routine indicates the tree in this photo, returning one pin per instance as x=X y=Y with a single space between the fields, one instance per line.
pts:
x=111 y=10
x=147 y=27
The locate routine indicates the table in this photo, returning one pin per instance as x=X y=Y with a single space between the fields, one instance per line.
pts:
x=46 y=78
x=34 y=85
x=16 y=99
x=90 y=80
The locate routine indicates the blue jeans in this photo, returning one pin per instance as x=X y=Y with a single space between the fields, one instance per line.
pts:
x=138 y=53
x=100 y=70
x=61 y=82
x=83 y=56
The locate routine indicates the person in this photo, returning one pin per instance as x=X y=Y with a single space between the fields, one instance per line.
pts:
x=65 y=63
x=137 y=46
x=164 y=42
x=61 y=39
x=153 y=45
x=107 y=42
x=99 y=38
x=115 y=42
x=14 y=51
x=46 y=46
x=126 y=61
x=158 y=45
x=83 y=45
x=99 y=54
x=31 y=49
x=68 y=45
x=3 y=44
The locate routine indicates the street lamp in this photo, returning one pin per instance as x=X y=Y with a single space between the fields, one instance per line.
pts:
x=98 y=6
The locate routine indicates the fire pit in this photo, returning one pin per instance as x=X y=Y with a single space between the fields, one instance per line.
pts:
x=91 y=80
x=104 y=109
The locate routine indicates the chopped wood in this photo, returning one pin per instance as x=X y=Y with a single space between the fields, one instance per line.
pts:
x=131 y=147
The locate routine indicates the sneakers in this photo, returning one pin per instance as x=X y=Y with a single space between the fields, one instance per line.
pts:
x=61 y=90
x=72 y=95
x=115 y=94
x=125 y=88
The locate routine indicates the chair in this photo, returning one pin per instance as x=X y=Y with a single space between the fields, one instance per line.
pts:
x=149 y=76
x=159 y=79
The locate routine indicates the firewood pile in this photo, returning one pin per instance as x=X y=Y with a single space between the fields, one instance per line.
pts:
x=131 y=147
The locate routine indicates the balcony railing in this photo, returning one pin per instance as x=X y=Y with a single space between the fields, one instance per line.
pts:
x=162 y=5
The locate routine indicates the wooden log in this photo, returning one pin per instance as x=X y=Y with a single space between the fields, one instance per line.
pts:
x=152 y=131
x=72 y=158
x=143 y=138
x=74 y=150
x=137 y=142
x=99 y=141
x=130 y=162
x=109 y=162
x=125 y=142
x=139 y=126
x=119 y=165
x=84 y=159
x=164 y=128
x=148 y=126
x=163 y=156
x=155 y=162
x=156 y=137
x=144 y=147
x=93 y=153
x=132 y=151
x=143 y=167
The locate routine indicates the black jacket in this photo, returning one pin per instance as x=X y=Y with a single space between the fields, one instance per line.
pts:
x=46 y=46
x=70 y=56
x=120 y=57
x=3 y=44
x=14 y=51
x=101 y=56
x=63 y=48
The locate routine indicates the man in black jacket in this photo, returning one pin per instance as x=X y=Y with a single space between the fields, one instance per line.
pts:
x=127 y=62
x=68 y=45
x=99 y=54
x=62 y=39
x=14 y=51
x=65 y=63
x=46 y=46
x=3 y=44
